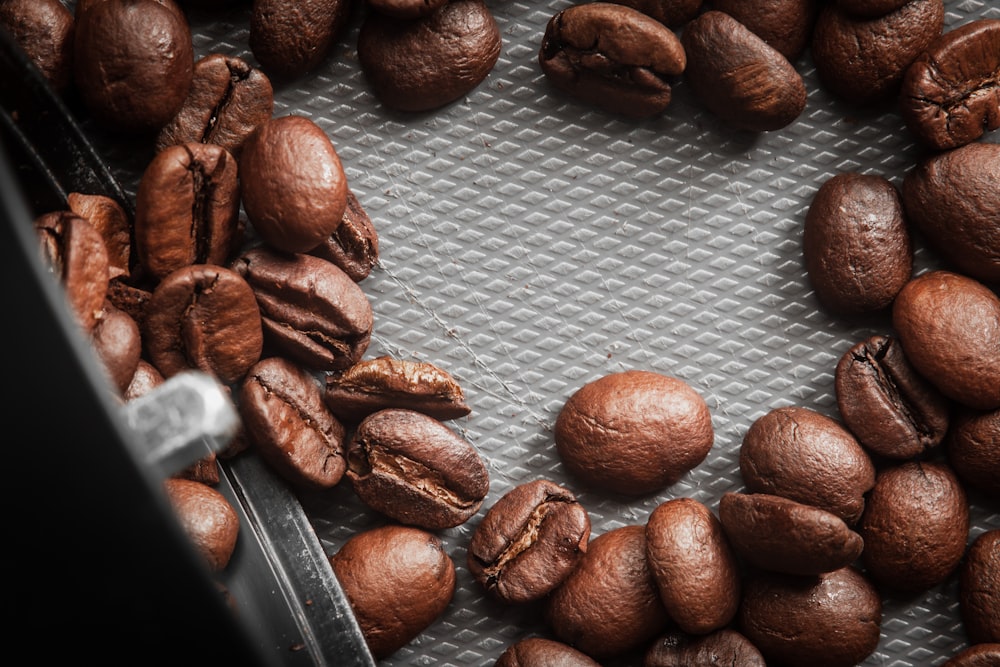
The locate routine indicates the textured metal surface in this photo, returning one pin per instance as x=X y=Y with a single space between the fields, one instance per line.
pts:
x=530 y=244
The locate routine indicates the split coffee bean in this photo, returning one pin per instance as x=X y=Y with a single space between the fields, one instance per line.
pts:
x=292 y=37
x=973 y=448
x=979 y=589
x=786 y=25
x=353 y=245
x=538 y=651
x=207 y=518
x=722 y=647
x=44 y=29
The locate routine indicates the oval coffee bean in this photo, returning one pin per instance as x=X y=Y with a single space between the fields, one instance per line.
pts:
x=915 y=526
x=856 y=244
x=44 y=29
x=950 y=93
x=979 y=589
x=889 y=407
x=722 y=647
x=786 y=25
x=353 y=246
x=291 y=37
x=537 y=651
x=529 y=541
x=613 y=57
x=949 y=326
x=738 y=76
x=416 y=470
x=973 y=448
x=977 y=655
x=117 y=340
x=207 y=518
x=398 y=580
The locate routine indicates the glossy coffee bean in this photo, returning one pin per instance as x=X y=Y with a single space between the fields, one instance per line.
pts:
x=44 y=29
x=208 y=519
x=786 y=25
x=979 y=589
x=973 y=449
x=112 y=222
x=117 y=340
x=292 y=37
x=722 y=647
x=353 y=246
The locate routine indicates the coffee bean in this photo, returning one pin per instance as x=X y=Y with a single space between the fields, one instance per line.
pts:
x=414 y=469
x=722 y=647
x=977 y=655
x=889 y=407
x=786 y=25
x=130 y=298
x=207 y=518
x=144 y=380
x=112 y=222
x=353 y=246
x=613 y=57
x=537 y=651
x=529 y=541
x=979 y=589
x=973 y=449
x=117 y=340
x=312 y=312
x=44 y=29
x=292 y=37
x=671 y=13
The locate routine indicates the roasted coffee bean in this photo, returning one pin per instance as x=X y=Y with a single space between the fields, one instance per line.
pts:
x=949 y=326
x=186 y=208
x=671 y=13
x=977 y=655
x=130 y=298
x=208 y=519
x=863 y=60
x=229 y=99
x=952 y=199
x=117 y=340
x=529 y=541
x=405 y=9
x=782 y=535
x=293 y=184
x=375 y=384
x=950 y=93
x=612 y=57
x=633 y=432
x=722 y=647
x=133 y=62
x=285 y=419
x=312 y=312
x=539 y=651
x=856 y=244
x=292 y=37
x=695 y=568
x=791 y=619
x=973 y=448
x=609 y=604
x=75 y=254
x=425 y=63
x=414 y=469
x=145 y=379
x=801 y=454
x=786 y=25
x=204 y=317
x=915 y=526
x=112 y=222
x=44 y=29
x=398 y=580
x=979 y=589
x=353 y=246
x=889 y=407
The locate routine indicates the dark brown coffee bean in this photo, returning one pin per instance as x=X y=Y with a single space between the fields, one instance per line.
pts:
x=204 y=470
x=186 y=208
x=722 y=647
x=539 y=652
x=782 y=535
x=856 y=244
x=130 y=298
x=312 y=312
x=207 y=518
x=75 y=254
x=405 y=9
x=792 y=619
x=375 y=384
x=112 y=222
x=949 y=326
x=915 y=526
x=979 y=589
x=889 y=407
x=229 y=99
x=786 y=25
x=952 y=199
x=353 y=246
x=973 y=448
x=425 y=63
x=803 y=455
x=293 y=184
x=204 y=317
x=529 y=541
x=291 y=428
x=398 y=580
x=117 y=340
x=633 y=432
x=863 y=60
x=414 y=469
x=612 y=57
x=44 y=29
x=292 y=37
x=609 y=604
x=977 y=655
x=145 y=379
x=694 y=566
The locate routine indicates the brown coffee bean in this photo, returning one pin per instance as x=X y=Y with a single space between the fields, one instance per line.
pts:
x=856 y=244
x=312 y=312
x=539 y=651
x=786 y=25
x=973 y=448
x=44 y=29
x=414 y=469
x=112 y=222
x=782 y=535
x=204 y=470
x=229 y=99
x=609 y=604
x=633 y=432
x=949 y=326
x=292 y=37
x=613 y=57
x=144 y=380
x=862 y=60
x=375 y=384
x=398 y=580
x=979 y=589
x=722 y=647
x=803 y=455
x=792 y=619
x=950 y=197
x=425 y=63
x=977 y=655
x=671 y=13
x=529 y=541
x=889 y=407
x=915 y=526
x=204 y=317
x=738 y=76
x=207 y=518
x=694 y=566
x=284 y=417
x=353 y=246
x=293 y=184
x=186 y=208
x=950 y=94
x=117 y=340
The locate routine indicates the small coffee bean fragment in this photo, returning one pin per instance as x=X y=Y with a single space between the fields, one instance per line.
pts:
x=786 y=25
x=715 y=649
x=973 y=448
x=44 y=29
x=292 y=37
x=977 y=655
x=539 y=651
x=353 y=246
x=979 y=589
x=207 y=517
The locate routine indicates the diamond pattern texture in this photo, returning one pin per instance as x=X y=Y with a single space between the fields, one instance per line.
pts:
x=530 y=245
